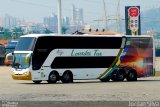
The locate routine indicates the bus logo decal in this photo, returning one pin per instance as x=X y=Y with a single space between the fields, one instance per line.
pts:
x=60 y=52
x=81 y=52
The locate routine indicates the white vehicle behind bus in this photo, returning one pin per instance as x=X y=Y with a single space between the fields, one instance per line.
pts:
x=46 y=57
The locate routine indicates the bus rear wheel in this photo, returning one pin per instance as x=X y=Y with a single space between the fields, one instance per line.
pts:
x=53 y=77
x=67 y=77
x=132 y=75
x=121 y=75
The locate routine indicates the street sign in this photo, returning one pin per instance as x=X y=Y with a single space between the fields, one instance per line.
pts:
x=132 y=20
x=133 y=11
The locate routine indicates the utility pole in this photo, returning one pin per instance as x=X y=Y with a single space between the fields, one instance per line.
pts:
x=105 y=15
x=118 y=17
x=59 y=18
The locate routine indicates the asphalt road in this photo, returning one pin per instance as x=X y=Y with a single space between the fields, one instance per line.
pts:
x=145 y=89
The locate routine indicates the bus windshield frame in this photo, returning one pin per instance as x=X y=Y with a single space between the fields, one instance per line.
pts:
x=25 y=44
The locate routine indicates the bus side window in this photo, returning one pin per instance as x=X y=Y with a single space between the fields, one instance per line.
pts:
x=41 y=52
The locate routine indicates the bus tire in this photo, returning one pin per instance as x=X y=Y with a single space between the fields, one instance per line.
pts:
x=114 y=75
x=131 y=75
x=118 y=75
x=53 y=77
x=67 y=77
x=37 y=82
x=105 y=79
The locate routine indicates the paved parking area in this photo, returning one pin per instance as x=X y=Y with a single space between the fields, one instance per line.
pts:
x=145 y=89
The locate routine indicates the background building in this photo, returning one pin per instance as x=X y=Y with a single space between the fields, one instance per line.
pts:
x=51 y=22
x=9 y=22
x=77 y=16
x=77 y=22
x=66 y=21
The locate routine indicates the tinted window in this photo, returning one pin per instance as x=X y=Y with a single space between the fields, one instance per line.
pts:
x=82 y=62
x=9 y=50
x=25 y=44
x=20 y=61
x=45 y=45
x=78 y=42
x=139 y=43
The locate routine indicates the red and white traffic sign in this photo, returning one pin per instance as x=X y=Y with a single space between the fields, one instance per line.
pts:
x=133 y=13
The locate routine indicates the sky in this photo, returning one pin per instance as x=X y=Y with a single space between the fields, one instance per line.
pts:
x=36 y=10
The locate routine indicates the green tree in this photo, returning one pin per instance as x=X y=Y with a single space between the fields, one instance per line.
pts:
x=64 y=29
x=17 y=32
x=35 y=32
x=47 y=31
x=7 y=34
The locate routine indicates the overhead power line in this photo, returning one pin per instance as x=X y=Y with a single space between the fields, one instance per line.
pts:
x=31 y=3
x=105 y=15
x=47 y=6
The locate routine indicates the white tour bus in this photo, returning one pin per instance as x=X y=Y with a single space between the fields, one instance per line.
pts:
x=47 y=57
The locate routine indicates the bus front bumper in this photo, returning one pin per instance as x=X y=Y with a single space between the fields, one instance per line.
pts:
x=22 y=76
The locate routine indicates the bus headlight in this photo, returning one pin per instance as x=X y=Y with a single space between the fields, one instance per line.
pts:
x=25 y=73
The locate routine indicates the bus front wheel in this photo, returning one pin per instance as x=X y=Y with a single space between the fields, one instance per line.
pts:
x=118 y=75
x=53 y=77
x=105 y=79
x=37 y=82
x=67 y=77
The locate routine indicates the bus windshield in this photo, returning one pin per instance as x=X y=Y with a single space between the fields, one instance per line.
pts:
x=20 y=61
x=25 y=44
x=9 y=50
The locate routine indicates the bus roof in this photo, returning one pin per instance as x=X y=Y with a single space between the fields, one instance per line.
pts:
x=85 y=35
x=38 y=35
